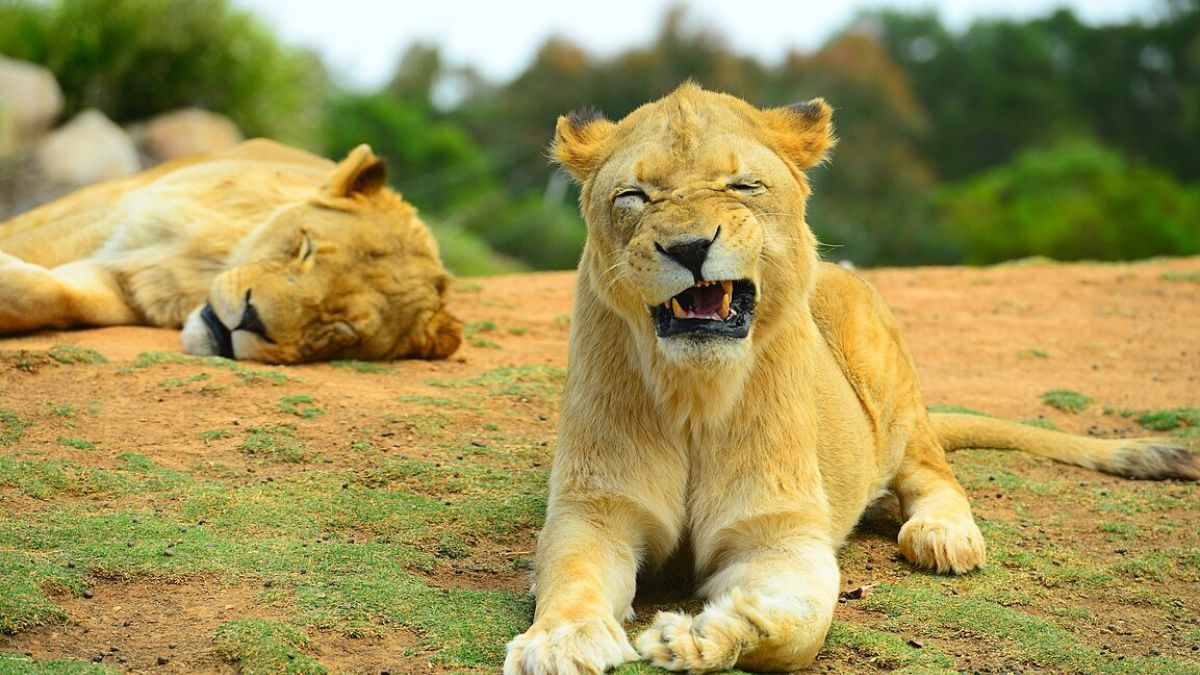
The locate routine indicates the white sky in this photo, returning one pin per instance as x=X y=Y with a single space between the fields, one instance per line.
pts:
x=361 y=40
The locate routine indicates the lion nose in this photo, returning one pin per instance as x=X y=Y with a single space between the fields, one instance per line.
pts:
x=251 y=322
x=690 y=254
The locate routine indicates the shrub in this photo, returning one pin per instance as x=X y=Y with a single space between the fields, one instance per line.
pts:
x=1075 y=200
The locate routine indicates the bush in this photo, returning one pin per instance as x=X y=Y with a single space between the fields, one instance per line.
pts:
x=435 y=164
x=545 y=236
x=133 y=59
x=1075 y=200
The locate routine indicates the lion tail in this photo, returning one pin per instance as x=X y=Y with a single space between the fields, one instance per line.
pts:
x=1147 y=458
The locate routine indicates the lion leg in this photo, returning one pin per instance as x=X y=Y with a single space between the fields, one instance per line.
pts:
x=769 y=609
x=33 y=297
x=586 y=572
x=939 y=532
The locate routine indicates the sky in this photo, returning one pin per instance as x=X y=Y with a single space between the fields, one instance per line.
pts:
x=362 y=40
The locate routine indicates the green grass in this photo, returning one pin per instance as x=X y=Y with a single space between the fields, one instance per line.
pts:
x=955 y=409
x=1180 y=276
x=19 y=664
x=263 y=647
x=246 y=376
x=276 y=442
x=1066 y=400
x=1166 y=420
x=300 y=405
x=215 y=434
x=77 y=443
x=529 y=381
x=12 y=427
x=1035 y=353
x=368 y=367
x=71 y=354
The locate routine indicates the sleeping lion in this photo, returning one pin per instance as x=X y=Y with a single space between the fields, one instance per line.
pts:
x=261 y=252
x=732 y=398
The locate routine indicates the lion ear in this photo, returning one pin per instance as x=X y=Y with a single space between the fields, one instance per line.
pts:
x=803 y=132
x=579 y=141
x=362 y=172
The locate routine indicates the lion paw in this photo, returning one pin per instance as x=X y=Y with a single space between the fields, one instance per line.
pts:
x=944 y=544
x=677 y=641
x=592 y=646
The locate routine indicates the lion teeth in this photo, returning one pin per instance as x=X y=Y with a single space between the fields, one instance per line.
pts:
x=724 y=313
x=679 y=313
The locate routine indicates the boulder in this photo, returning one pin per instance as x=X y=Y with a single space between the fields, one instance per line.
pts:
x=30 y=101
x=87 y=149
x=186 y=131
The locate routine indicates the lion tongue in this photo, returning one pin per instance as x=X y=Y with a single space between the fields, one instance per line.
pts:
x=705 y=300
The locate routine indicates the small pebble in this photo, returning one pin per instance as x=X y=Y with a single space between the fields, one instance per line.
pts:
x=268 y=583
x=87 y=593
x=162 y=660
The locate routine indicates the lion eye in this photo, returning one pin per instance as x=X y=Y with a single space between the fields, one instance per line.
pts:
x=306 y=249
x=630 y=198
x=747 y=187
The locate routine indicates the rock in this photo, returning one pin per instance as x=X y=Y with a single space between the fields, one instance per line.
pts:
x=88 y=149
x=182 y=132
x=30 y=101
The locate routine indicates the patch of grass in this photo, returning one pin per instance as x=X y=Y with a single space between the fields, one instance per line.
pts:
x=12 y=427
x=955 y=409
x=245 y=375
x=518 y=330
x=1180 y=276
x=19 y=664
x=461 y=403
x=929 y=611
x=885 y=651
x=77 y=443
x=23 y=605
x=1120 y=530
x=531 y=381
x=369 y=367
x=276 y=442
x=1037 y=422
x=485 y=326
x=1166 y=420
x=215 y=434
x=484 y=343
x=66 y=411
x=67 y=354
x=301 y=406
x=563 y=320
x=1066 y=400
x=1035 y=353
x=174 y=382
x=463 y=287
x=261 y=647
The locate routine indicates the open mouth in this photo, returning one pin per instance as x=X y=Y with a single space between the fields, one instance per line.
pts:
x=717 y=308
x=222 y=337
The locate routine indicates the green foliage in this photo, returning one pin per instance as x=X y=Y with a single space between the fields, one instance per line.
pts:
x=1074 y=200
x=133 y=59
x=12 y=427
x=1166 y=420
x=435 y=164
x=261 y=647
x=1066 y=400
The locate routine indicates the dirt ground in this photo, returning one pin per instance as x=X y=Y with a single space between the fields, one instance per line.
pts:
x=992 y=339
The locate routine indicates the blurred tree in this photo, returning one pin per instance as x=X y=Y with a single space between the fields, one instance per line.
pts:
x=1074 y=200
x=435 y=163
x=1005 y=85
x=133 y=59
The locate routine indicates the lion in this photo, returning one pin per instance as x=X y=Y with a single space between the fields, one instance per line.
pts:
x=259 y=252
x=736 y=403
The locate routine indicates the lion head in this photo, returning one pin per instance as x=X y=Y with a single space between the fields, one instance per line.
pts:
x=695 y=214
x=350 y=273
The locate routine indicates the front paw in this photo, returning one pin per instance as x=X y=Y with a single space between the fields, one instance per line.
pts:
x=589 y=646
x=945 y=543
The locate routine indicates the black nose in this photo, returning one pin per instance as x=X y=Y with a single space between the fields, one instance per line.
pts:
x=251 y=322
x=690 y=254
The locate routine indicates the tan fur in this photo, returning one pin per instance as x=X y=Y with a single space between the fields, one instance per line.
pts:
x=335 y=264
x=759 y=454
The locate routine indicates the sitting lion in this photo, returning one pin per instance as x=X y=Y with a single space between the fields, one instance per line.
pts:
x=733 y=399
x=260 y=252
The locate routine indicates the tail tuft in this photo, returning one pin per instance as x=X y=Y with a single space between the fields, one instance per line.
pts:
x=1149 y=458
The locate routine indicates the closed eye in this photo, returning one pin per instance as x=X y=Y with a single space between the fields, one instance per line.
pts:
x=630 y=197
x=747 y=187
